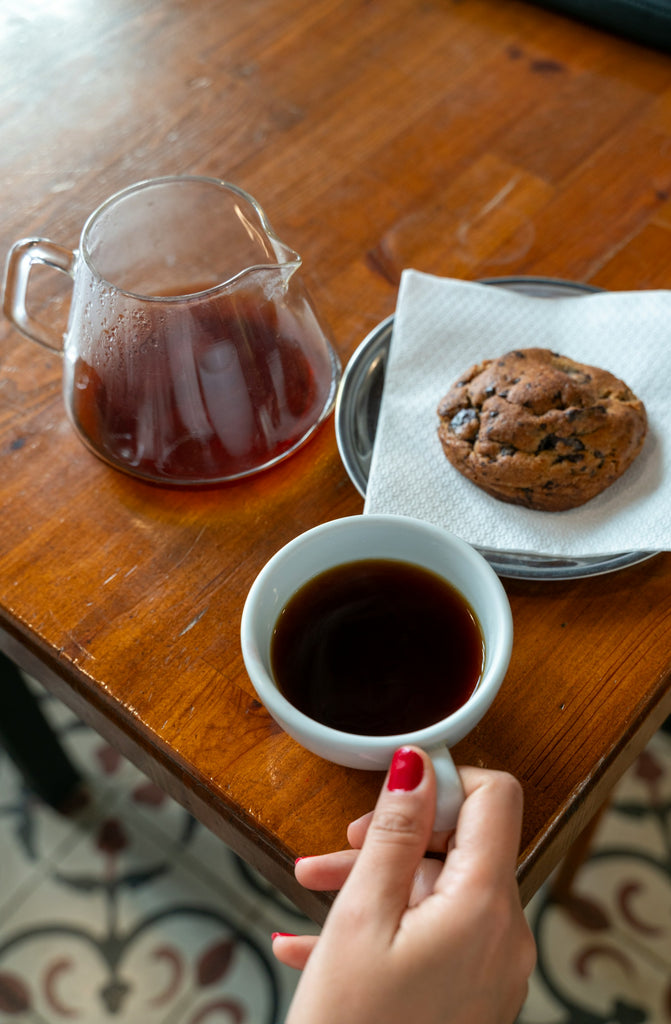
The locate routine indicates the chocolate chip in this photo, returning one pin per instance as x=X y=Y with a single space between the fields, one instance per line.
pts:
x=464 y=419
x=573 y=457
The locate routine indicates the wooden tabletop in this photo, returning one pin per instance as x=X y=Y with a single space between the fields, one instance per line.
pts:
x=475 y=139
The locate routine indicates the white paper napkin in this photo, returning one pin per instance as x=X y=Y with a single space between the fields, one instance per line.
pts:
x=444 y=326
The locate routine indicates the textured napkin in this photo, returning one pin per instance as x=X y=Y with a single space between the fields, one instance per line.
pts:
x=441 y=328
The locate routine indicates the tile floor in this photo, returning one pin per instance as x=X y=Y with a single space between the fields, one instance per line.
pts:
x=132 y=913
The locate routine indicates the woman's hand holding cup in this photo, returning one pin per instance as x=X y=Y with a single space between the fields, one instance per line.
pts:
x=415 y=939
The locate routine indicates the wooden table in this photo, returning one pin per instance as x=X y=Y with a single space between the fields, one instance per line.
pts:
x=477 y=139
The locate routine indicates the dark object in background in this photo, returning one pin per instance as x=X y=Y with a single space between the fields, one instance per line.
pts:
x=643 y=21
x=33 y=746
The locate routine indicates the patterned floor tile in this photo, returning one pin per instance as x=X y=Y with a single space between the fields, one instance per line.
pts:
x=592 y=977
x=132 y=912
x=120 y=931
x=605 y=952
x=31 y=835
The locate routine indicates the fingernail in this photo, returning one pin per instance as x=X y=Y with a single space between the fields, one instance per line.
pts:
x=297 y=860
x=406 y=771
x=282 y=935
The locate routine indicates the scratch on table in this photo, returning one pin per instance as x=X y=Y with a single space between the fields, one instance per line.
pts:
x=502 y=194
x=110 y=578
x=79 y=647
x=190 y=547
x=194 y=621
x=465 y=227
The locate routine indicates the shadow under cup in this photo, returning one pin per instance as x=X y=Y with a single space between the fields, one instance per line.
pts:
x=380 y=537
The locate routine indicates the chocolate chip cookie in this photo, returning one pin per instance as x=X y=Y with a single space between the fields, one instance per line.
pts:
x=536 y=428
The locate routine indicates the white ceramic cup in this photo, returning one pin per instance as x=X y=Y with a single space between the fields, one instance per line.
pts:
x=386 y=537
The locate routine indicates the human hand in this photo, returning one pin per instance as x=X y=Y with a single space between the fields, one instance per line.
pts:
x=327 y=873
x=461 y=953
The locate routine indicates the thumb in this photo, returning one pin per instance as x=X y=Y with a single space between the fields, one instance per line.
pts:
x=380 y=883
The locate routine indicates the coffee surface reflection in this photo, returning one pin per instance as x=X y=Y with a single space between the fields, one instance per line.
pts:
x=377 y=647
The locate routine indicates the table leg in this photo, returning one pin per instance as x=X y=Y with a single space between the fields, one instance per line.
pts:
x=32 y=745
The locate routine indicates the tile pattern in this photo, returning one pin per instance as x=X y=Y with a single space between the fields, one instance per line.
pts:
x=131 y=912
x=604 y=954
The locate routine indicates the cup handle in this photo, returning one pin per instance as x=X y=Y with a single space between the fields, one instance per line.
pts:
x=22 y=256
x=450 y=792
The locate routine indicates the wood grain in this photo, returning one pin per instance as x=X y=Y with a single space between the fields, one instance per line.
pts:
x=474 y=139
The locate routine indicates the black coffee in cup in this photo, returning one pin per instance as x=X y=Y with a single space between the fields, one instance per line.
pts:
x=377 y=647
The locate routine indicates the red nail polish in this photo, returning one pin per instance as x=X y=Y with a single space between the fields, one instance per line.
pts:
x=297 y=860
x=282 y=935
x=406 y=771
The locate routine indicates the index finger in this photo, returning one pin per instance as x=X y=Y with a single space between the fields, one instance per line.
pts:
x=395 y=842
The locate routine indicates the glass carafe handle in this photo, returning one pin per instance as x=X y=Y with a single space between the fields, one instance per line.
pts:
x=22 y=257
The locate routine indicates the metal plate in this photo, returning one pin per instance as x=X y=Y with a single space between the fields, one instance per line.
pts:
x=356 y=414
